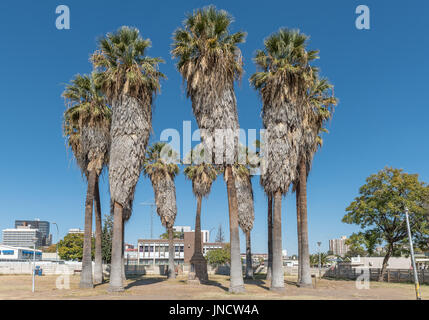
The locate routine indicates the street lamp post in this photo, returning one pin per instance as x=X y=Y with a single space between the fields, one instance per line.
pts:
x=34 y=264
x=320 y=258
x=413 y=261
x=58 y=239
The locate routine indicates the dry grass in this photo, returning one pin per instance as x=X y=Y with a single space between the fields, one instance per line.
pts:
x=152 y=287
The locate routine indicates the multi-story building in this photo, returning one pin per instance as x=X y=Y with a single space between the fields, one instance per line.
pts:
x=339 y=246
x=22 y=236
x=42 y=226
x=183 y=229
x=155 y=251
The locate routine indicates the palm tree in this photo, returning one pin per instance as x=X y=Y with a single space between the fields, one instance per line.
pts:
x=86 y=126
x=246 y=211
x=202 y=176
x=317 y=110
x=282 y=80
x=130 y=80
x=161 y=168
x=210 y=61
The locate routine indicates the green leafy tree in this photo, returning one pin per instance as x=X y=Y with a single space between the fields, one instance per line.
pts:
x=218 y=257
x=106 y=238
x=51 y=249
x=176 y=235
x=380 y=210
x=71 y=247
x=363 y=243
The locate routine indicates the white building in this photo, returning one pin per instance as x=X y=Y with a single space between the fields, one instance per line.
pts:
x=377 y=262
x=205 y=233
x=77 y=231
x=22 y=236
x=18 y=253
x=338 y=246
x=181 y=228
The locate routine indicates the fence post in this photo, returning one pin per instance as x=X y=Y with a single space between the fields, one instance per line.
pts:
x=409 y=275
x=388 y=275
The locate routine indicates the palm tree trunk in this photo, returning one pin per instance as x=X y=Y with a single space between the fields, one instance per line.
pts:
x=171 y=252
x=124 y=277
x=98 y=272
x=198 y=261
x=270 y=237
x=298 y=225
x=86 y=274
x=116 y=283
x=277 y=280
x=236 y=272
x=385 y=260
x=249 y=266
x=305 y=270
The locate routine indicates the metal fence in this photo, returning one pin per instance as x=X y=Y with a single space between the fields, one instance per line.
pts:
x=391 y=275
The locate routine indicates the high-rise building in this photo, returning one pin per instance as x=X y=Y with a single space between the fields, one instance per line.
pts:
x=22 y=236
x=339 y=246
x=42 y=226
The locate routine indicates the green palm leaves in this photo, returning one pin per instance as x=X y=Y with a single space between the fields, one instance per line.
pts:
x=204 y=46
x=123 y=68
x=160 y=161
x=201 y=174
x=87 y=114
x=285 y=72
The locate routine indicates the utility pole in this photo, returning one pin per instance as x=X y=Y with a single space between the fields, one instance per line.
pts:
x=413 y=261
x=34 y=264
x=320 y=258
x=58 y=239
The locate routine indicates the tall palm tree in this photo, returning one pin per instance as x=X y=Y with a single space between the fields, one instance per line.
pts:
x=162 y=169
x=282 y=80
x=210 y=61
x=317 y=110
x=246 y=211
x=86 y=126
x=130 y=80
x=202 y=176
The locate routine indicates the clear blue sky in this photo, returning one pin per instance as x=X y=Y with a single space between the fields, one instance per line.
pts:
x=380 y=77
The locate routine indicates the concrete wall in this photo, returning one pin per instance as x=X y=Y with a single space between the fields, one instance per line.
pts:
x=49 y=268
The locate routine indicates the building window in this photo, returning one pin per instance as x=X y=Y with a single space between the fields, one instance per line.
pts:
x=182 y=248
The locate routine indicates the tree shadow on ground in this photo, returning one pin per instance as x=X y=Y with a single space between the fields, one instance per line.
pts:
x=257 y=281
x=216 y=284
x=141 y=281
x=209 y=283
x=292 y=283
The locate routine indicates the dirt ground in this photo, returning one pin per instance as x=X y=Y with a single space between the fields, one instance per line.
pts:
x=150 y=287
